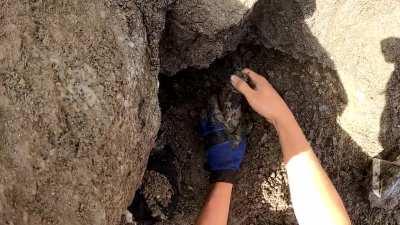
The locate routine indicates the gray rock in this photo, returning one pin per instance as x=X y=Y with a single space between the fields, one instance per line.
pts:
x=200 y=31
x=281 y=25
x=78 y=111
x=154 y=16
x=157 y=192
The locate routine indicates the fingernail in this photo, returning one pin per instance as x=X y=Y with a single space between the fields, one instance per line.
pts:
x=234 y=79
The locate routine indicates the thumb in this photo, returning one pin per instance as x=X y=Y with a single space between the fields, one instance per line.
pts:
x=241 y=85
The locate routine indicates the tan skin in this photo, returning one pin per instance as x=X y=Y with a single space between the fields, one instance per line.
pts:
x=314 y=198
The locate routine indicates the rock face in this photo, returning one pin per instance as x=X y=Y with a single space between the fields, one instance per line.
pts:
x=200 y=31
x=355 y=33
x=157 y=192
x=348 y=37
x=78 y=111
x=282 y=25
x=154 y=16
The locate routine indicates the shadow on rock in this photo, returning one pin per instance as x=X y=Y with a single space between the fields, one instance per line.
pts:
x=390 y=119
x=305 y=76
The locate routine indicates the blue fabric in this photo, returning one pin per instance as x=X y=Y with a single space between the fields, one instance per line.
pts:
x=224 y=157
x=207 y=127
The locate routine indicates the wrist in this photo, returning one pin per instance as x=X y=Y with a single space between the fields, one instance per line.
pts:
x=291 y=137
x=226 y=185
x=224 y=176
x=284 y=119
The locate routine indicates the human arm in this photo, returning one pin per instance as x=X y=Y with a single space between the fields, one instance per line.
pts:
x=216 y=208
x=224 y=157
x=314 y=198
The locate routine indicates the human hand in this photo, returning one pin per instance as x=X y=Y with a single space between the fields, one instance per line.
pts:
x=263 y=98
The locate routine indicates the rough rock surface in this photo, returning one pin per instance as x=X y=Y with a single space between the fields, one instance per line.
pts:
x=78 y=111
x=200 y=31
x=281 y=25
x=345 y=36
x=157 y=192
x=154 y=14
x=354 y=33
x=389 y=135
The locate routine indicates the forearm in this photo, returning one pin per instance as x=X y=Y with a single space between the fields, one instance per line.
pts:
x=216 y=209
x=315 y=199
x=291 y=136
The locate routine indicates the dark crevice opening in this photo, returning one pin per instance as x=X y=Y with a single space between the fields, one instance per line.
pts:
x=191 y=86
x=185 y=94
x=162 y=161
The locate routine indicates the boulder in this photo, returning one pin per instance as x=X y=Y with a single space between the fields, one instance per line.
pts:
x=78 y=110
x=154 y=17
x=199 y=31
x=348 y=37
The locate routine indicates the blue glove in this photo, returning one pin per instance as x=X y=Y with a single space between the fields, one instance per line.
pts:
x=223 y=156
